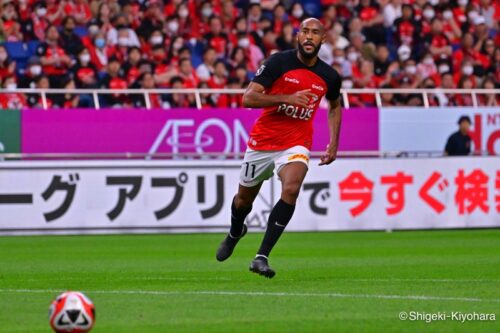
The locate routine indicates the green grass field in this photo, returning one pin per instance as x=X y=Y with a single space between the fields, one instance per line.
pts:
x=325 y=282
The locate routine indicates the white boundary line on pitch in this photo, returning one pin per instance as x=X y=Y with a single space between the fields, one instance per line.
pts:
x=173 y=278
x=258 y=293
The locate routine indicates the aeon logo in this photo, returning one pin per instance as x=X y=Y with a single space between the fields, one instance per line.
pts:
x=183 y=135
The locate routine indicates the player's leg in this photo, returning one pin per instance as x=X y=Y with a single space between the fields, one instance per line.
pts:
x=256 y=167
x=292 y=174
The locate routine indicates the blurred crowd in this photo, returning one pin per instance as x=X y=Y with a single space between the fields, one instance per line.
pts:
x=121 y=44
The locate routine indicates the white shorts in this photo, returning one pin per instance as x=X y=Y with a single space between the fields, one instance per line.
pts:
x=258 y=165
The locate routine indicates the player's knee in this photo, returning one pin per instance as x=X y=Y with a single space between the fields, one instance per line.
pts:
x=243 y=201
x=291 y=191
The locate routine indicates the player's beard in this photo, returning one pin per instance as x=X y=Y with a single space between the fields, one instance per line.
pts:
x=309 y=55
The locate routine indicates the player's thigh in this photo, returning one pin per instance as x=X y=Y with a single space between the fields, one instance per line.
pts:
x=257 y=166
x=292 y=165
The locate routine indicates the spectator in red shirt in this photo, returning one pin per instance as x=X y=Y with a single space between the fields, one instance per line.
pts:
x=488 y=99
x=219 y=79
x=35 y=100
x=231 y=100
x=36 y=27
x=113 y=79
x=10 y=29
x=55 y=11
x=187 y=73
x=464 y=99
x=280 y=17
x=175 y=47
x=179 y=100
x=11 y=99
x=228 y=15
x=467 y=50
x=407 y=29
x=84 y=72
x=297 y=15
x=67 y=100
x=436 y=41
x=54 y=59
x=154 y=19
x=253 y=16
x=373 y=21
x=466 y=70
x=7 y=66
x=147 y=81
x=79 y=9
x=131 y=66
x=216 y=38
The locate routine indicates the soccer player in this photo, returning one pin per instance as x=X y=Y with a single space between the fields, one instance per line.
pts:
x=289 y=87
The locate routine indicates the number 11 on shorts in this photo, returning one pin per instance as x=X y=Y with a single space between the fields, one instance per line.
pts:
x=253 y=169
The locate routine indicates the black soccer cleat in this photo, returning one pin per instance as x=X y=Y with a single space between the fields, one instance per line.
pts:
x=227 y=246
x=260 y=266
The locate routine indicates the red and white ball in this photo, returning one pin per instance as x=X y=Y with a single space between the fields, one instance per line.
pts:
x=72 y=312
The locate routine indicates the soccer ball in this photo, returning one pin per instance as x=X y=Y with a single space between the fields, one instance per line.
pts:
x=72 y=312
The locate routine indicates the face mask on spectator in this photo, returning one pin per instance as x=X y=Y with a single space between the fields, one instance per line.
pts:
x=434 y=2
x=178 y=44
x=93 y=30
x=339 y=59
x=206 y=12
x=3 y=56
x=429 y=13
x=298 y=13
x=352 y=56
x=403 y=56
x=467 y=70
x=11 y=86
x=411 y=69
x=444 y=69
x=183 y=12
x=472 y=15
x=41 y=11
x=100 y=43
x=463 y=3
x=244 y=43
x=123 y=41
x=156 y=40
x=428 y=61
x=85 y=58
x=173 y=26
x=347 y=84
x=36 y=70
x=447 y=15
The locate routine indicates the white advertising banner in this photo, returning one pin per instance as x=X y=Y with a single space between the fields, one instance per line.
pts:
x=195 y=196
x=419 y=129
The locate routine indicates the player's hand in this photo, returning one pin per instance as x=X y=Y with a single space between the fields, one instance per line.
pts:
x=301 y=98
x=329 y=156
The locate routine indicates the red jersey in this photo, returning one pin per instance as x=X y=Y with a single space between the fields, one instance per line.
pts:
x=285 y=126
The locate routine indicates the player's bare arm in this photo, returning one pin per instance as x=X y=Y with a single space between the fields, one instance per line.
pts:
x=334 y=121
x=255 y=97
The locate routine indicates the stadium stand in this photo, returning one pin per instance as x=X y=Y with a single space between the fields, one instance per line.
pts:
x=219 y=44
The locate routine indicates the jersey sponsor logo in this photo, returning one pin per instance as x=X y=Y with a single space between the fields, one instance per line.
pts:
x=320 y=88
x=260 y=70
x=298 y=157
x=291 y=79
x=295 y=112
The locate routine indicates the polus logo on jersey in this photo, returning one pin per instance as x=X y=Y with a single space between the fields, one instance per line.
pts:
x=295 y=112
